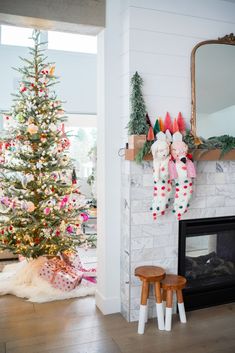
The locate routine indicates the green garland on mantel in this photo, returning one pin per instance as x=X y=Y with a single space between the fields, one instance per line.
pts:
x=225 y=143
x=143 y=151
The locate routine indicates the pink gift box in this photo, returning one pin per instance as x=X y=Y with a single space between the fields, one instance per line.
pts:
x=60 y=275
x=73 y=260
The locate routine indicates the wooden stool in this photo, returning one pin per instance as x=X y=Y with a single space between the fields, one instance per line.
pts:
x=148 y=275
x=169 y=284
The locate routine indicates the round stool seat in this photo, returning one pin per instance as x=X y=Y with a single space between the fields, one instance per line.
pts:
x=150 y=273
x=173 y=282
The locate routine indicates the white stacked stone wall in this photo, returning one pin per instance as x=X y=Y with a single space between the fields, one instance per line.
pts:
x=148 y=242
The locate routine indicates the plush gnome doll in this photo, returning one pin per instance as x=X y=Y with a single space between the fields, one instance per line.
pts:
x=182 y=170
x=162 y=183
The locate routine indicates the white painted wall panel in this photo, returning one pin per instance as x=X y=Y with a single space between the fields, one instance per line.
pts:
x=161 y=43
x=211 y=9
x=165 y=85
x=188 y=26
x=159 y=64
x=158 y=106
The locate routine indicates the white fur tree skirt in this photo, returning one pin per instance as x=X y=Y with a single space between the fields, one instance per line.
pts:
x=22 y=280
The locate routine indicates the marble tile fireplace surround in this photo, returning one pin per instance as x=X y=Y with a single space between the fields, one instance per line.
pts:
x=148 y=242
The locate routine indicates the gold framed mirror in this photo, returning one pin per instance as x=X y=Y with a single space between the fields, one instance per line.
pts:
x=213 y=88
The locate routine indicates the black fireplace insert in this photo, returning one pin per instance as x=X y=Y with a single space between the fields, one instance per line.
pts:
x=207 y=260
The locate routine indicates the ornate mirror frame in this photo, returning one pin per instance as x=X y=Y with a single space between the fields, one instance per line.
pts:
x=229 y=40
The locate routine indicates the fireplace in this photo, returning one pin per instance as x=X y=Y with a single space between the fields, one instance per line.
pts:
x=207 y=260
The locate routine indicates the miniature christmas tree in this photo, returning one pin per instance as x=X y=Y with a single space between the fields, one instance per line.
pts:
x=137 y=124
x=40 y=208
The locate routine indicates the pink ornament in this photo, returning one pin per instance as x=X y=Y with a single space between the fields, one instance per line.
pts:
x=47 y=211
x=85 y=217
x=64 y=201
x=69 y=229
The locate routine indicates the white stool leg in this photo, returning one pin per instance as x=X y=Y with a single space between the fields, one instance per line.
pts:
x=168 y=319
x=182 y=313
x=159 y=305
x=181 y=306
x=143 y=307
x=142 y=318
x=146 y=312
x=160 y=316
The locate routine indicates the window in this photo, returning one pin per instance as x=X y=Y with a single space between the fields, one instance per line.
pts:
x=72 y=42
x=81 y=131
x=20 y=36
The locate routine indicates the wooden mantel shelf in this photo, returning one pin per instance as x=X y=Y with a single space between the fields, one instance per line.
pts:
x=198 y=155
x=212 y=155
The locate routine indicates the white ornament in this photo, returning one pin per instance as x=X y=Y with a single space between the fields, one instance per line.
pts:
x=53 y=127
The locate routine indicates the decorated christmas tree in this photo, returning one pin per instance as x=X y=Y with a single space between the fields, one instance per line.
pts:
x=137 y=124
x=40 y=204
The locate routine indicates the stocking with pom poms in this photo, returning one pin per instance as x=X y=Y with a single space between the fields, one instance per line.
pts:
x=162 y=182
x=182 y=170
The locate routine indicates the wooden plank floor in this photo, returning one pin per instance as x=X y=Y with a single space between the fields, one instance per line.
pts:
x=77 y=326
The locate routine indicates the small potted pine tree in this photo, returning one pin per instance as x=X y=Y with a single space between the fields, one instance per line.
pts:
x=137 y=126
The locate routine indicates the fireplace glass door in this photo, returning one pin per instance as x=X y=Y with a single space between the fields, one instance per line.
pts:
x=207 y=260
x=210 y=258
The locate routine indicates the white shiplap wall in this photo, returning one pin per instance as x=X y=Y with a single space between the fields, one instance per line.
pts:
x=157 y=39
x=158 y=36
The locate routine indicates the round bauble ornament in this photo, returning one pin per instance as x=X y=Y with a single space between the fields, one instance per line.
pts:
x=30 y=206
x=32 y=129
x=20 y=117
x=47 y=211
x=31 y=120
